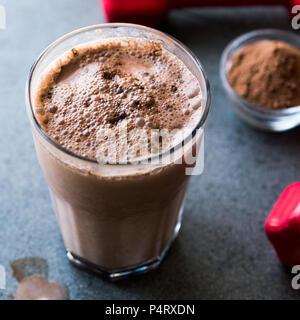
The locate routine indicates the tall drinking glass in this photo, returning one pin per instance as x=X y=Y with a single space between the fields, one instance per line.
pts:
x=117 y=219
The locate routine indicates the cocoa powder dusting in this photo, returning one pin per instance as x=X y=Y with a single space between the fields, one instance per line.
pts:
x=110 y=85
x=267 y=73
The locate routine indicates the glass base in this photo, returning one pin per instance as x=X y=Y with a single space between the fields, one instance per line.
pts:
x=125 y=272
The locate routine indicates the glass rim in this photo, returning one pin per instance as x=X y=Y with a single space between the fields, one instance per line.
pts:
x=187 y=51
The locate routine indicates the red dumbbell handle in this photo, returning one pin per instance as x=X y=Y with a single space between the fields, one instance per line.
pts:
x=225 y=3
x=152 y=12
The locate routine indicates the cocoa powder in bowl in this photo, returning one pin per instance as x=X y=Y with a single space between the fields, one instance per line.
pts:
x=267 y=73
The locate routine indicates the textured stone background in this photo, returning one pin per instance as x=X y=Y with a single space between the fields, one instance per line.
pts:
x=222 y=252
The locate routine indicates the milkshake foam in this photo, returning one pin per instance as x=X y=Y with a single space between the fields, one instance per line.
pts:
x=112 y=85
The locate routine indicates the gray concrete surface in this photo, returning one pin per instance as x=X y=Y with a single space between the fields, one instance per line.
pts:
x=222 y=251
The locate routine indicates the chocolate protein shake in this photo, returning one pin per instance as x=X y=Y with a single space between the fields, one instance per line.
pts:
x=111 y=117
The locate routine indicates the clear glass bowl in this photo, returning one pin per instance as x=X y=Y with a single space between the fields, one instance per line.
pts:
x=255 y=115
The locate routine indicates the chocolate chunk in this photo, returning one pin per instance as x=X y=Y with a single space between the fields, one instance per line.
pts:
x=75 y=52
x=173 y=88
x=108 y=75
x=52 y=109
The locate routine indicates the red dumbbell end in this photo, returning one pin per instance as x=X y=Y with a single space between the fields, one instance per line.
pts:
x=283 y=226
x=144 y=12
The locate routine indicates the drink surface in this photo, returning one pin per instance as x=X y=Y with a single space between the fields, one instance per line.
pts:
x=127 y=93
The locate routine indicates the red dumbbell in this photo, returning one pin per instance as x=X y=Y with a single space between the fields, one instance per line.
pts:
x=152 y=12
x=283 y=226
